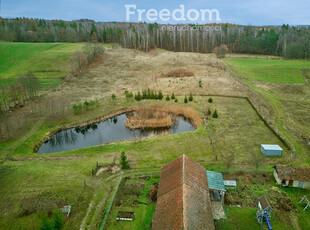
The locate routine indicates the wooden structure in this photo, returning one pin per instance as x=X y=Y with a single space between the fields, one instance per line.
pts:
x=125 y=215
x=290 y=176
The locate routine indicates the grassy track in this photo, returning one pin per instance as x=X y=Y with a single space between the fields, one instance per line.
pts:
x=276 y=71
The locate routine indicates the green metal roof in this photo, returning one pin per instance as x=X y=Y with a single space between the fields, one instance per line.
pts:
x=215 y=181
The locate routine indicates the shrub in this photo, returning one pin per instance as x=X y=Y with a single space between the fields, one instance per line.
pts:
x=128 y=94
x=86 y=105
x=160 y=95
x=113 y=96
x=215 y=115
x=46 y=224
x=190 y=97
x=124 y=162
x=172 y=96
x=185 y=99
x=58 y=221
x=221 y=51
x=176 y=100
x=209 y=111
x=167 y=98
x=77 y=108
x=138 y=96
x=210 y=100
x=200 y=84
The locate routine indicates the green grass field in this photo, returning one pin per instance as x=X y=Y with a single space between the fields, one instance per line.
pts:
x=48 y=61
x=276 y=71
x=60 y=180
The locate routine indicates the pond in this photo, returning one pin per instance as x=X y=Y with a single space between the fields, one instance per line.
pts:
x=111 y=130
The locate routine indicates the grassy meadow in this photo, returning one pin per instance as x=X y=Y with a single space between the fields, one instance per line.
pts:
x=281 y=83
x=58 y=179
x=32 y=185
x=48 y=61
x=266 y=70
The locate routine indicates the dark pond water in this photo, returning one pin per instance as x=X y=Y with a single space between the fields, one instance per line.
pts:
x=111 y=130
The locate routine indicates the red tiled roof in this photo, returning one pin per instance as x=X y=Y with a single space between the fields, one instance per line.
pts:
x=292 y=173
x=183 y=197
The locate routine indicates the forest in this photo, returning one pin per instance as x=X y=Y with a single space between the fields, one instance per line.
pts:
x=291 y=42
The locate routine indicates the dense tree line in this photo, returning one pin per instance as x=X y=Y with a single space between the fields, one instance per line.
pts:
x=290 y=42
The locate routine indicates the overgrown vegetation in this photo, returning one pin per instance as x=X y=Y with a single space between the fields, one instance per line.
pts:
x=79 y=108
x=221 y=51
x=55 y=224
x=90 y=53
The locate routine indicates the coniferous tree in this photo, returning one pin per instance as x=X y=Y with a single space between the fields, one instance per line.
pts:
x=190 y=97
x=215 y=115
x=124 y=162
x=185 y=99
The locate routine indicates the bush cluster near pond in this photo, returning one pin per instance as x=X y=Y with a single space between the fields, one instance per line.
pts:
x=79 y=108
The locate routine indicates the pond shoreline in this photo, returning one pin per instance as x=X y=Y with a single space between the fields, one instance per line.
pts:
x=49 y=135
x=191 y=119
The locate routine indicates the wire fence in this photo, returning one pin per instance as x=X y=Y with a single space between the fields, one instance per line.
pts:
x=111 y=203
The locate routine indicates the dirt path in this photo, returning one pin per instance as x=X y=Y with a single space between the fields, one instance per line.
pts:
x=90 y=207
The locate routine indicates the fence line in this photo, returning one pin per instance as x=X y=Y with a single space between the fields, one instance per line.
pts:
x=111 y=203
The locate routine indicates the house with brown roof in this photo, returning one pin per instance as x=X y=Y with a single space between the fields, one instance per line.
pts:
x=183 y=199
x=292 y=177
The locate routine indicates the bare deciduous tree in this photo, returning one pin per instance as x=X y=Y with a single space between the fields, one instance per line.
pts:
x=78 y=62
x=221 y=51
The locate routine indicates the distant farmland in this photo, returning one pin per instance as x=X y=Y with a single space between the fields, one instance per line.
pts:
x=47 y=61
x=275 y=71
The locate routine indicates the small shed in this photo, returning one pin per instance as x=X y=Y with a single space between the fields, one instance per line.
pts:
x=216 y=185
x=290 y=176
x=271 y=150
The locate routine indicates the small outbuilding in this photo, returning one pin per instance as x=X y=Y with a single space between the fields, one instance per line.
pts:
x=216 y=186
x=290 y=176
x=271 y=150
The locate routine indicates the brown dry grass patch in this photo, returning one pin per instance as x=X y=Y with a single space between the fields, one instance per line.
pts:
x=161 y=117
x=177 y=73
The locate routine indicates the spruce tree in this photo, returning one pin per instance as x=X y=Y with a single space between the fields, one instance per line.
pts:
x=190 y=97
x=172 y=96
x=185 y=99
x=210 y=100
x=124 y=162
x=167 y=98
x=215 y=115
